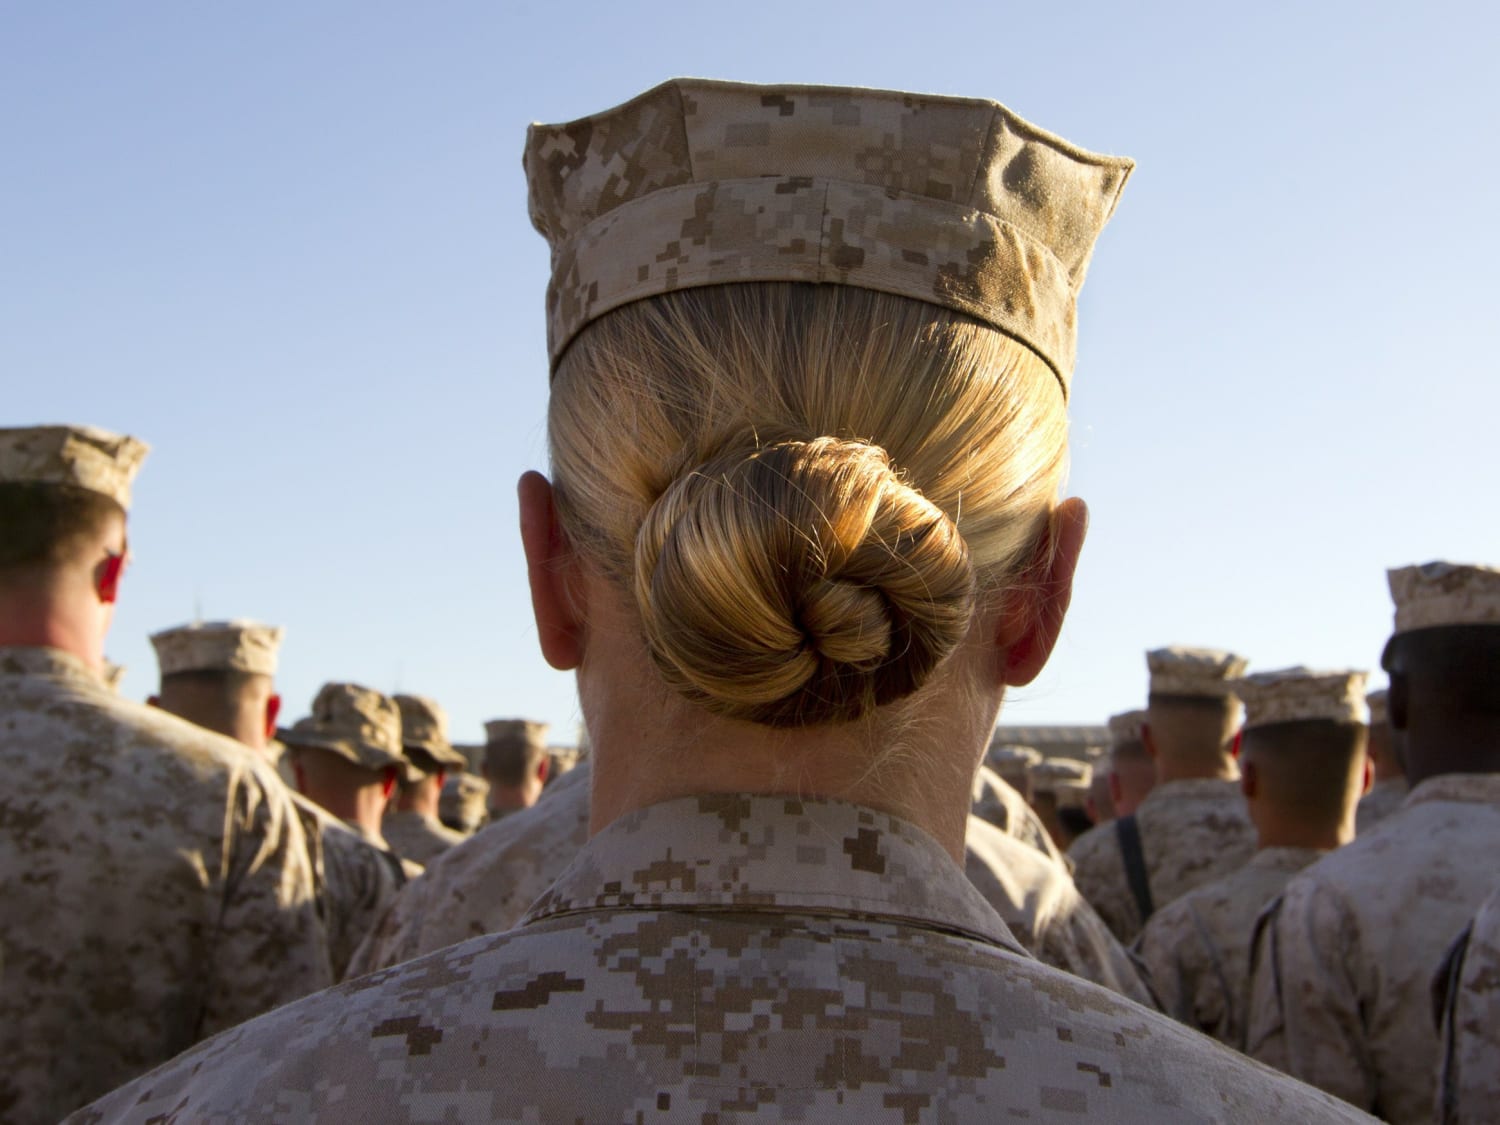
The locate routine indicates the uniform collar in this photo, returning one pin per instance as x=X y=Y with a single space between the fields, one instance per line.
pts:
x=781 y=854
x=1471 y=788
x=1285 y=859
x=1193 y=788
x=37 y=660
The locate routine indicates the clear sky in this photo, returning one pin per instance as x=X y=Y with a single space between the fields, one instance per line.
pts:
x=287 y=245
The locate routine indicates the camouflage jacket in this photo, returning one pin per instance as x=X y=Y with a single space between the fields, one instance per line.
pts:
x=997 y=802
x=1384 y=798
x=1468 y=992
x=1036 y=899
x=417 y=837
x=724 y=959
x=155 y=882
x=485 y=884
x=1191 y=833
x=1196 y=951
x=1343 y=964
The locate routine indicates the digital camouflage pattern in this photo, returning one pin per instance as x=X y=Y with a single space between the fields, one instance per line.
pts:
x=75 y=456
x=1036 y=898
x=722 y=959
x=1196 y=951
x=231 y=646
x=1442 y=593
x=1297 y=695
x=1384 y=798
x=486 y=884
x=417 y=836
x=953 y=201
x=1192 y=832
x=356 y=881
x=1184 y=670
x=1344 y=960
x=997 y=802
x=1469 y=991
x=156 y=887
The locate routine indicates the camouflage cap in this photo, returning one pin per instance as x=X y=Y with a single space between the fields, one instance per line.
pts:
x=1179 y=670
x=953 y=201
x=218 y=646
x=356 y=723
x=511 y=733
x=1051 y=775
x=424 y=729
x=1437 y=594
x=81 y=456
x=1011 y=761
x=1293 y=695
x=464 y=801
x=1126 y=727
x=1379 y=704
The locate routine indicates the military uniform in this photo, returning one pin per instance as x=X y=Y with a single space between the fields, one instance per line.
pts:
x=1469 y=992
x=418 y=837
x=156 y=884
x=1344 y=959
x=997 y=802
x=1196 y=951
x=414 y=835
x=1192 y=832
x=1384 y=798
x=728 y=958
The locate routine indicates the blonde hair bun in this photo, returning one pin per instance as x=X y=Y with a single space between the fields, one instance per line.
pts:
x=799 y=582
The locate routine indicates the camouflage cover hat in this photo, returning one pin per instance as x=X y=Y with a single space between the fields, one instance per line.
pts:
x=1012 y=762
x=464 y=802
x=953 y=201
x=424 y=730
x=516 y=732
x=1437 y=594
x=1054 y=775
x=1126 y=727
x=1179 y=670
x=218 y=646
x=356 y=723
x=81 y=456
x=1292 y=695
x=1379 y=704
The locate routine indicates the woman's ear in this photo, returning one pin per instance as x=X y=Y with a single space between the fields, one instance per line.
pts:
x=1033 y=617
x=551 y=570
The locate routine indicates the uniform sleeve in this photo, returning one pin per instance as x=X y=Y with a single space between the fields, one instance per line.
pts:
x=1305 y=1004
x=396 y=937
x=1160 y=951
x=1076 y=939
x=1099 y=874
x=271 y=947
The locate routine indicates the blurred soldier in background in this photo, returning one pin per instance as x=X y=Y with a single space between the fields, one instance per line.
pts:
x=464 y=804
x=1341 y=982
x=1389 y=786
x=1013 y=764
x=1192 y=827
x=515 y=764
x=413 y=827
x=155 y=877
x=1303 y=769
x=998 y=803
x=1467 y=992
x=1059 y=794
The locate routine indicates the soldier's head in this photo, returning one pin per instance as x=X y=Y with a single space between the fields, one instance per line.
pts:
x=64 y=492
x=429 y=753
x=1059 y=794
x=1444 y=664
x=1386 y=756
x=1303 y=758
x=515 y=763
x=1192 y=717
x=464 y=805
x=347 y=753
x=221 y=675
x=1130 y=771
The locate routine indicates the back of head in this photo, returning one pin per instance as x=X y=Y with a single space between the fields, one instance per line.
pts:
x=43 y=526
x=1192 y=715
x=514 y=749
x=803 y=485
x=220 y=675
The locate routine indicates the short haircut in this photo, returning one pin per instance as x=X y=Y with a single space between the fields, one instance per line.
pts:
x=231 y=682
x=1456 y=667
x=511 y=763
x=41 y=523
x=1310 y=768
x=1192 y=725
x=1132 y=751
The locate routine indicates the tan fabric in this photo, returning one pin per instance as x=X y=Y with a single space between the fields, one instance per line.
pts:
x=1012 y=763
x=997 y=802
x=1196 y=951
x=1050 y=774
x=356 y=881
x=485 y=885
x=465 y=802
x=424 y=728
x=1441 y=593
x=954 y=201
x=1295 y=695
x=1340 y=991
x=1384 y=798
x=417 y=837
x=156 y=887
x=1192 y=832
x=218 y=646
x=1036 y=899
x=1125 y=727
x=728 y=958
x=80 y=456
x=1181 y=670
x=357 y=723
x=1469 y=1059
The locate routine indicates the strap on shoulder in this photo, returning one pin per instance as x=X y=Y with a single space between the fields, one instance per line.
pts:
x=1129 y=833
